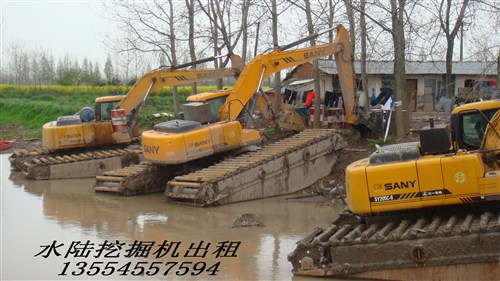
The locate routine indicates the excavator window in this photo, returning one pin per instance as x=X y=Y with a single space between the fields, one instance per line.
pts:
x=103 y=110
x=472 y=127
x=215 y=105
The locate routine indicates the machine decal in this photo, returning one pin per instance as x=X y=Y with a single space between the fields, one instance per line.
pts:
x=153 y=149
x=199 y=143
x=460 y=177
x=318 y=53
x=207 y=75
x=181 y=78
x=73 y=136
x=435 y=192
x=288 y=60
x=479 y=198
x=410 y=195
x=399 y=185
x=384 y=198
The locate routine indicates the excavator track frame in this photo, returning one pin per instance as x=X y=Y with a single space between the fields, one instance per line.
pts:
x=283 y=167
x=43 y=164
x=427 y=243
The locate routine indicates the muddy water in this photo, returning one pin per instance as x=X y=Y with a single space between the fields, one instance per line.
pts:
x=62 y=213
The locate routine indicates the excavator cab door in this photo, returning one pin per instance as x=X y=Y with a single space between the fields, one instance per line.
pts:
x=103 y=128
x=471 y=126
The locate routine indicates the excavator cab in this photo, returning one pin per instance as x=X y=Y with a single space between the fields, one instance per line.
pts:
x=468 y=123
x=104 y=105
x=204 y=107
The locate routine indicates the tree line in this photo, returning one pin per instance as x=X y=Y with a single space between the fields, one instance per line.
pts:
x=38 y=67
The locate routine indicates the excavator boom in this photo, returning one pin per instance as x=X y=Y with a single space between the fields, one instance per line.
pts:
x=163 y=77
x=264 y=65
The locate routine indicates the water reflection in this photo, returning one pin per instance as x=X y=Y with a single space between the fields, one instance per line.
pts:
x=68 y=210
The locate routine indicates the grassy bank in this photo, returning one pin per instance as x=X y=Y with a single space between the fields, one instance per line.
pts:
x=24 y=109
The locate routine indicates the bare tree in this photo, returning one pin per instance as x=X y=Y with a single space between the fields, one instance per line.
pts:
x=317 y=87
x=277 y=75
x=352 y=25
x=445 y=16
x=173 y=51
x=192 y=49
x=398 y=36
x=362 y=24
x=398 y=17
x=109 y=70
x=17 y=52
x=222 y=16
x=151 y=28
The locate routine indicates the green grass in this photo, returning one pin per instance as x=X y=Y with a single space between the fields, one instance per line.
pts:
x=24 y=109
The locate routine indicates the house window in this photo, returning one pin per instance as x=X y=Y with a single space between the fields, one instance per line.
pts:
x=469 y=83
x=429 y=86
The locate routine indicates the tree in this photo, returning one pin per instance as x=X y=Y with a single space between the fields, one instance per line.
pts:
x=397 y=31
x=47 y=69
x=450 y=32
x=362 y=23
x=317 y=88
x=35 y=71
x=398 y=37
x=108 y=70
x=277 y=75
x=192 y=47
x=223 y=38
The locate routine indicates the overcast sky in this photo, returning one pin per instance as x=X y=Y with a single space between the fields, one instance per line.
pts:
x=74 y=27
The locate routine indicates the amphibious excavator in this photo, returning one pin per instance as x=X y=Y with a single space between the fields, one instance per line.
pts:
x=96 y=140
x=177 y=149
x=424 y=210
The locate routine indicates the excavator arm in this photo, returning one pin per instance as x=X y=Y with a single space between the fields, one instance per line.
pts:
x=264 y=65
x=159 y=78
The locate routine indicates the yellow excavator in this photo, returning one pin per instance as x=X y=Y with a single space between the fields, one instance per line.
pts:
x=112 y=123
x=180 y=141
x=206 y=134
x=417 y=208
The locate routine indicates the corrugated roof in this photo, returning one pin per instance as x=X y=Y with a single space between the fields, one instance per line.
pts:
x=414 y=67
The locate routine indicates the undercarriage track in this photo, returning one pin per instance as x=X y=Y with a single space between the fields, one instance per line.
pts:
x=278 y=168
x=283 y=167
x=439 y=244
x=42 y=164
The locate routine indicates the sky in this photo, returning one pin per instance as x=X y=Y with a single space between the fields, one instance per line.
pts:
x=74 y=27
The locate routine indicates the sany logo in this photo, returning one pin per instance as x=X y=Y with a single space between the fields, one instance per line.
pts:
x=319 y=53
x=153 y=149
x=399 y=185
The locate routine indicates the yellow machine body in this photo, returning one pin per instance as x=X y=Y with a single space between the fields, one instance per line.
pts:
x=176 y=148
x=425 y=182
x=74 y=132
x=97 y=132
x=456 y=177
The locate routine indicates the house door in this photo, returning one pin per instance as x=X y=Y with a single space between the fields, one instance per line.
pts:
x=411 y=94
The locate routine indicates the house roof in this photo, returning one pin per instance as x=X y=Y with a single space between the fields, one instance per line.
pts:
x=414 y=67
